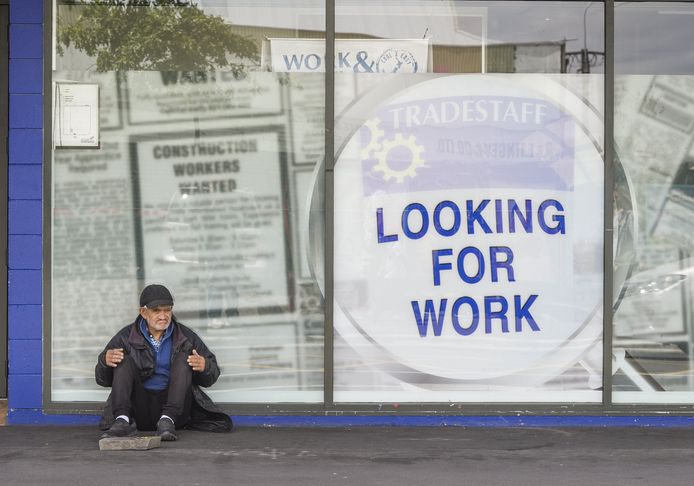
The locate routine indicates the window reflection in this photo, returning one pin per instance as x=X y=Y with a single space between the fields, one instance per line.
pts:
x=200 y=182
x=654 y=122
x=154 y=35
x=501 y=37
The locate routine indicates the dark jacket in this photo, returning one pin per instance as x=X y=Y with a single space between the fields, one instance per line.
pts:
x=204 y=414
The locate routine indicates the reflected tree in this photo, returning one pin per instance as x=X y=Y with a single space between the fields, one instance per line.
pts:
x=159 y=35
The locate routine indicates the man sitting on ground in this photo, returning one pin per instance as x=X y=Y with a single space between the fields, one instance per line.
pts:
x=155 y=368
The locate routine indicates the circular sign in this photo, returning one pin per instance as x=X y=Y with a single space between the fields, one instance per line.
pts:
x=469 y=229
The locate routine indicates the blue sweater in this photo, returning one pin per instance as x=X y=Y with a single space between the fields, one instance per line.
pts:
x=162 y=357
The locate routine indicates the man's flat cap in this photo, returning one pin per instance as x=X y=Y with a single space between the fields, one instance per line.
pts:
x=155 y=295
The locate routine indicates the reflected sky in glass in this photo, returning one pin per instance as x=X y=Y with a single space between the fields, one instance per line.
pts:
x=650 y=37
x=654 y=38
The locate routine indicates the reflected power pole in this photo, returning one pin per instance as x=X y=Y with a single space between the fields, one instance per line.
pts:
x=587 y=59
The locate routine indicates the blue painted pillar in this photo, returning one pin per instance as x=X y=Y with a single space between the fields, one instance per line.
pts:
x=25 y=206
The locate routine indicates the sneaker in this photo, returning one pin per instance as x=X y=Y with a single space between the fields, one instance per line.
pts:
x=166 y=429
x=121 y=428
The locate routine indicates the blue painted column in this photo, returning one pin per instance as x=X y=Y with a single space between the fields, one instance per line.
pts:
x=25 y=146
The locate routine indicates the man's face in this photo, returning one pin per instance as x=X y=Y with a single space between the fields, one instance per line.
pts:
x=158 y=318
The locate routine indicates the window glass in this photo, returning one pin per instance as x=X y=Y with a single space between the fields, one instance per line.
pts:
x=195 y=170
x=654 y=123
x=468 y=201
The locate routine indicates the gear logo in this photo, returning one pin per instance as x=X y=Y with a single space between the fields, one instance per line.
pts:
x=376 y=134
x=415 y=162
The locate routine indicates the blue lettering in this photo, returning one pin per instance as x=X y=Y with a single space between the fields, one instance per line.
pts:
x=461 y=265
x=364 y=66
x=523 y=312
x=500 y=314
x=429 y=313
x=506 y=216
x=475 y=215
x=342 y=60
x=406 y=225
x=557 y=218
x=456 y=218
x=316 y=61
x=294 y=62
x=382 y=237
x=499 y=216
x=494 y=306
x=495 y=264
x=438 y=266
x=525 y=221
x=465 y=331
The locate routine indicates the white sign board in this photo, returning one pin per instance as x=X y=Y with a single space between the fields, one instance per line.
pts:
x=469 y=210
x=351 y=55
x=76 y=115
x=213 y=220
x=169 y=96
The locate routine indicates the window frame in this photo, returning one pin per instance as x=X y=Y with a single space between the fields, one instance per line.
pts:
x=329 y=407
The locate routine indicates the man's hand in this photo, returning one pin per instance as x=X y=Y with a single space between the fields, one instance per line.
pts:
x=114 y=357
x=196 y=361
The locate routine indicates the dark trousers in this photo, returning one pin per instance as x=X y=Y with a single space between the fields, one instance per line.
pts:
x=130 y=397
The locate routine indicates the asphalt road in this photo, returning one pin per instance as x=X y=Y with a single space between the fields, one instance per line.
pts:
x=54 y=455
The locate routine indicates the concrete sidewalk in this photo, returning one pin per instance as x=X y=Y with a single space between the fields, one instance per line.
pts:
x=56 y=455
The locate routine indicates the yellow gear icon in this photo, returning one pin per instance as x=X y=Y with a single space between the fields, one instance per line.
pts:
x=400 y=141
x=374 y=141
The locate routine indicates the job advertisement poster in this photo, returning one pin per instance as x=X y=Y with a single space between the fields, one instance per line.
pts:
x=167 y=96
x=255 y=357
x=110 y=116
x=76 y=115
x=654 y=305
x=307 y=110
x=468 y=244
x=306 y=95
x=653 y=136
x=93 y=258
x=213 y=218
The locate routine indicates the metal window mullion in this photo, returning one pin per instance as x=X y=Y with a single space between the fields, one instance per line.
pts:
x=328 y=237
x=46 y=201
x=608 y=207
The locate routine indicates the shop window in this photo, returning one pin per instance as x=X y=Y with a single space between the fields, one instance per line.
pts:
x=193 y=169
x=653 y=127
x=468 y=245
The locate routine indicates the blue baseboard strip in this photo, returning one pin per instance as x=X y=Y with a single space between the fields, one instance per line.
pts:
x=25 y=416
x=37 y=417
x=462 y=421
